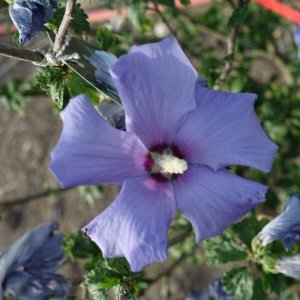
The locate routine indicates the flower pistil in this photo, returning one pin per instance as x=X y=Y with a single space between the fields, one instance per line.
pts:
x=170 y=164
x=165 y=162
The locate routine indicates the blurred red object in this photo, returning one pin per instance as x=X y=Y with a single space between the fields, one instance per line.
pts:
x=282 y=9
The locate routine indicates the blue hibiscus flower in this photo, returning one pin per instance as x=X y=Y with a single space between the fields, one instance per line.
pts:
x=29 y=16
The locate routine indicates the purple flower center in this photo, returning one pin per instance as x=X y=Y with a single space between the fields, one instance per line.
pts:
x=165 y=162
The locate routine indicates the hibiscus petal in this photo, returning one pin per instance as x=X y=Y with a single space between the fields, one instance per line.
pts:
x=90 y=151
x=289 y=265
x=212 y=201
x=156 y=83
x=285 y=226
x=224 y=131
x=136 y=224
x=22 y=18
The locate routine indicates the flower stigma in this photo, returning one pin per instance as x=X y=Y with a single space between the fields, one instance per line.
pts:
x=165 y=162
x=170 y=164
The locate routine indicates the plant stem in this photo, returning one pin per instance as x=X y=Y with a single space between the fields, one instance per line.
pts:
x=164 y=19
x=62 y=30
x=180 y=237
x=21 y=54
x=26 y=199
x=168 y=271
x=231 y=41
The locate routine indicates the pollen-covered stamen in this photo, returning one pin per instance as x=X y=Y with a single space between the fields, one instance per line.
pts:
x=169 y=164
x=165 y=162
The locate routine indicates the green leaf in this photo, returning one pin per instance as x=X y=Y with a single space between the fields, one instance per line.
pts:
x=275 y=283
x=223 y=249
x=78 y=85
x=105 y=38
x=115 y=273
x=258 y=290
x=269 y=264
x=123 y=291
x=238 y=17
x=53 y=81
x=94 y=289
x=120 y=265
x=79 y=22
x=239 y=283
x=76 y=245
x=109 y=279
x=103 y=277
x=248 y=228
x=61 y=83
